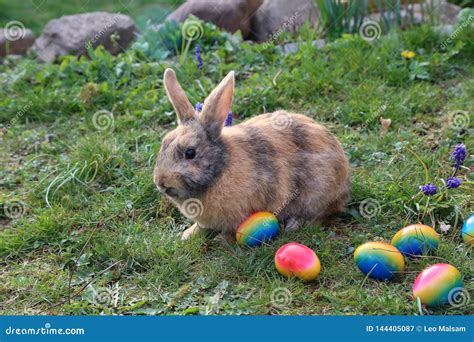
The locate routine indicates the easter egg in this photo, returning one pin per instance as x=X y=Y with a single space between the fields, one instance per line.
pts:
x=257 y=228
x=379 y=260
x=415 y=240
x=296 y=260
x=437 y=285
x=468 y=230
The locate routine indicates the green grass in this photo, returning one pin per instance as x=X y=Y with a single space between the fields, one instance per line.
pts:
x=96 y=236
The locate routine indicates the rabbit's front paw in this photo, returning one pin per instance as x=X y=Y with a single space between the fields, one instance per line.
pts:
x=291 y=224
x=190 y=231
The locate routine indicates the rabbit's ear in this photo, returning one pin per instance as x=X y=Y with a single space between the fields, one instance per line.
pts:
x=177 y=97
x=217 y=105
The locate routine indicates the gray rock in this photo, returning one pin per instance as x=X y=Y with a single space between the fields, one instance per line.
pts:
x=276 y=16
x=72 y=34
x=290 y=48
x=15 y=40
x=444 y=29
x=420 y=13
x=448 y=12
x=319 y=43
x=230 y=15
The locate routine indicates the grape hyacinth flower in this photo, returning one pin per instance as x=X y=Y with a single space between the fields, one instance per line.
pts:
x=429 y=189
x=228 y=119
x=459 y=154
x=453 y=182
x=198 y=56
x=199 y=107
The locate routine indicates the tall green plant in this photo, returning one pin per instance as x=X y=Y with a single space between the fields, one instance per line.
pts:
x=391 y=12
x=338 y=17
x=346 y=16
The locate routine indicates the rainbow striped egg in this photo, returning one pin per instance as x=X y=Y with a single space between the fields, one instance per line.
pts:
x=379 y=260
x=296 y=260
x=257 y=228
x=416 y=240
x=468 y=230
x=438 y=285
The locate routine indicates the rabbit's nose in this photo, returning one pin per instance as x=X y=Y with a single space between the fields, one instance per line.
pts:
x=161 y=186
x=166 y=189
x=159 y=182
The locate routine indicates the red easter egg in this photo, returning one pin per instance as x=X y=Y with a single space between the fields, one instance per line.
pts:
x=296 y=260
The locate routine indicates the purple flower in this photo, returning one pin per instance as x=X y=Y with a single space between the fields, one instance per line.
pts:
x=228 y=119
x=198 y=56
x=459 y=154
x=453 y=182
x=429 y=189
x=199 y=107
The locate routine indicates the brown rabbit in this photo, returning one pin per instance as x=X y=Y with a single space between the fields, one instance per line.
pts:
x=280 y=162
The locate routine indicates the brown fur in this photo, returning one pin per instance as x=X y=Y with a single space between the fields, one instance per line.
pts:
x=298 y=170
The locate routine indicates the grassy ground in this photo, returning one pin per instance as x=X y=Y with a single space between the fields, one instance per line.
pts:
x=96 y=237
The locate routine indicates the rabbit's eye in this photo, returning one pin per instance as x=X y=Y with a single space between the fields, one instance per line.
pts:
x=190 y=153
